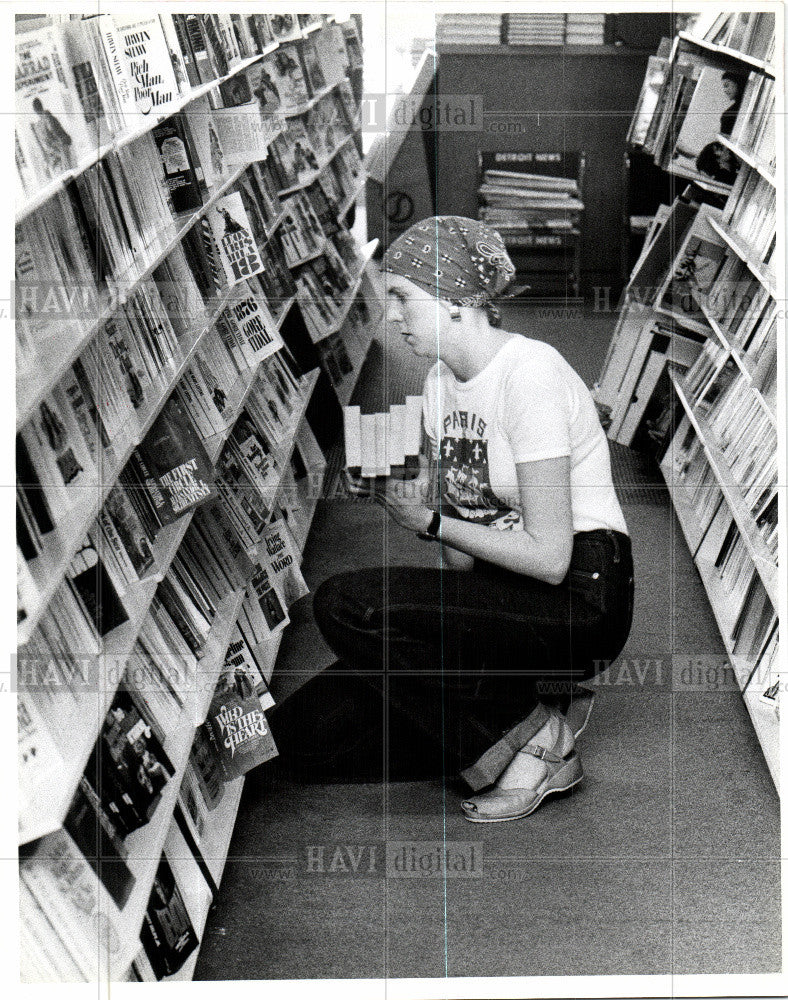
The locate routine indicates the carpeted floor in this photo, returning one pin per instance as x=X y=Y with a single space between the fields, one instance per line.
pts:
x=665 y=859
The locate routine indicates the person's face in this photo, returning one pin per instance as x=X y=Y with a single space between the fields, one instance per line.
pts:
x=724 y=157
x=414 y=314
x=730 y=89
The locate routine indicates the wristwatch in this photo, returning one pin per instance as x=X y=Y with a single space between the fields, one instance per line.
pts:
x=431 y=534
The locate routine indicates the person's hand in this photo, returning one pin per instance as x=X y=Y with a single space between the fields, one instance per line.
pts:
x=404 y=502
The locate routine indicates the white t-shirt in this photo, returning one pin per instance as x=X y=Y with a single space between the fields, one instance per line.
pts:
x=527 y=404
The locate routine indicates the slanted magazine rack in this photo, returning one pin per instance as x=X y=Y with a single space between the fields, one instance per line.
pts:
x=534 y=200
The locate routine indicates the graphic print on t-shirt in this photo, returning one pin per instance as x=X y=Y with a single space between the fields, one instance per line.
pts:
x=465 y=470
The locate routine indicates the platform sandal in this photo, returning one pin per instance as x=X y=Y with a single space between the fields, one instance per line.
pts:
x=508 y=800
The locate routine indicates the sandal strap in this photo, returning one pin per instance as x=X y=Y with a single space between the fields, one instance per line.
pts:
x=542 y=753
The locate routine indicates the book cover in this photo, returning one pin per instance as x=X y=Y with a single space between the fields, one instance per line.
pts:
x=185 y=48
x=77 y=903
x=90 y=822
x=238 y=251
x=214 y=521
x=167 y=934
x=237 y=728
x=178 y=162
x=255 y=328
x=241 y=656
x=60 y=455
x=207 y=142
x=51 y=126
x=85 y=62
x=281 y=558
x=178 y=57
x=146 y=57
x=283 y=26
x=267 y=599
x=702 y=123
x=249 y=121
x=179 y=472
x=39 y=761
x=206 y=769
x=130 y=530
x=133 y=764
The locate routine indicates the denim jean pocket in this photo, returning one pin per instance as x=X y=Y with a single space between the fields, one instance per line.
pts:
x=590 y=585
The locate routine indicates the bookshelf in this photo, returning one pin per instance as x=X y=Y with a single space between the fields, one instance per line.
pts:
x=694 y=369
x=137 y=587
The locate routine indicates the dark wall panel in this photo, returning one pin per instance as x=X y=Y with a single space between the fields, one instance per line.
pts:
x=542 y=101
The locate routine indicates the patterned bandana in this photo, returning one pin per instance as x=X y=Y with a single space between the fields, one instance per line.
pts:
x=460 y=260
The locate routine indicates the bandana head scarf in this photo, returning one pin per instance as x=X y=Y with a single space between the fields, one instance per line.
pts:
x=456 y=259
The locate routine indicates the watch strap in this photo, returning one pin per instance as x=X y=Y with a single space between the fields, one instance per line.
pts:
x=431 y=534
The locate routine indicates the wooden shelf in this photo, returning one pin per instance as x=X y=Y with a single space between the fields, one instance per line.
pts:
x=145 y=845
x=302 y=109
x=748 y=256
x=761 y=556
x=744 y=364
x=132 y=135
x=723 y=50
x=31 y=391
x=49 y=568
x=320 y=168
x=752 y=161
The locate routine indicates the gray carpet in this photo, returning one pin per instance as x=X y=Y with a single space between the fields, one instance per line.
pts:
x=665 y=859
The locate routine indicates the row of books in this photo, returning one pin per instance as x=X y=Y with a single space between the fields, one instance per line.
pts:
x=748 y=617
x=237 y=241
x=66 y=262
x=745 y=311
x=161 y=677
x=698 y=100
x=747 y=436
x=735 y=568
x=749 y=32
x=754 y=128
x=630 y=360
x=693 y=475
x=167 y=474
x=719 y=431
x=555 y=29
x=750 y=212
x=179 y=406
x=469 y=29
x=327 y=286
x=520 y=29
x=114 y=70
x=741 y=428
x=88 y=421
x=108 y=227
x=300 y=157
x=335 y=357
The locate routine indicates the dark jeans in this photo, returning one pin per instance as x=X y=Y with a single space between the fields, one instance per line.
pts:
x=435 y=664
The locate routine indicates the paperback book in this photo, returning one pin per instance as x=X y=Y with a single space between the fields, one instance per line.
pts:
x=236 y=726
x=238 y=252
x=175 y=465
x=167 y=934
